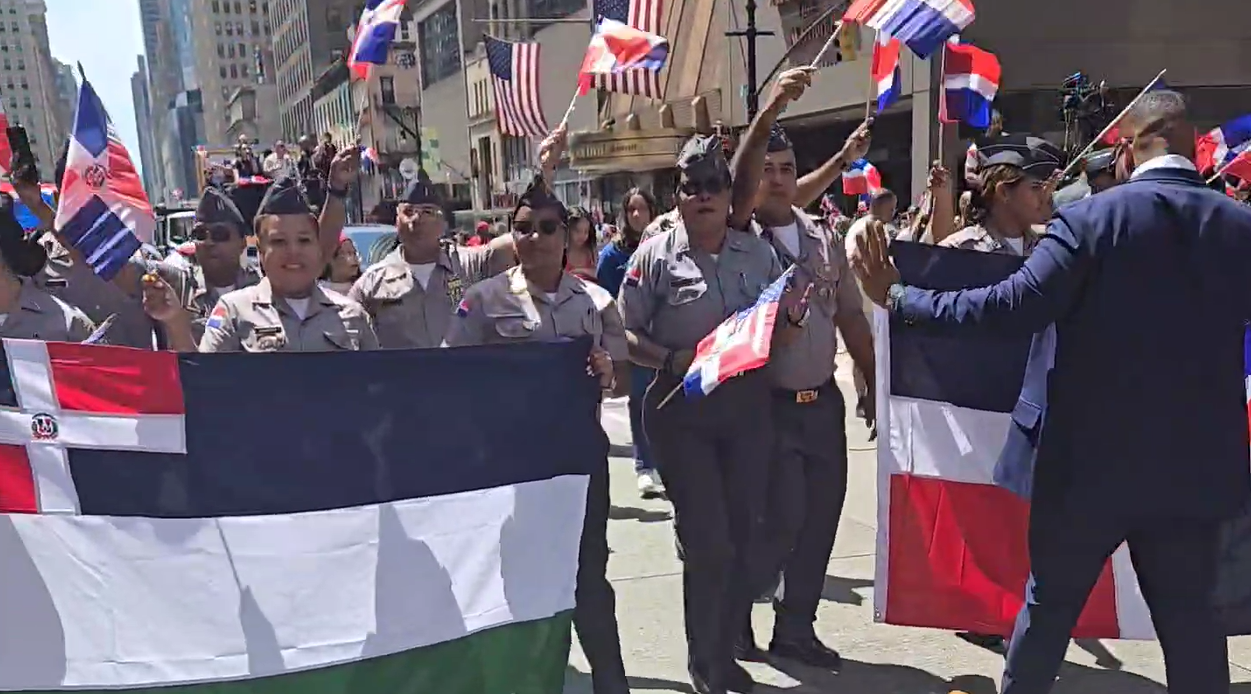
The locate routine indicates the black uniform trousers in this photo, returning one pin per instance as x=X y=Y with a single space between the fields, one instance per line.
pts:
x=1176 y=562
x=807 y=487
x=713 y=456
x=595 y=609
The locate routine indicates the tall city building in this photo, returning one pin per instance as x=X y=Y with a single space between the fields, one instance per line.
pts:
x=66 y=81
x=231 y=40
x=25 y=76
x=143 y=122
x=309 y=35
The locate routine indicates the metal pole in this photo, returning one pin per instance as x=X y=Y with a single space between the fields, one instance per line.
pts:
x=751 y=33
x=529 y=21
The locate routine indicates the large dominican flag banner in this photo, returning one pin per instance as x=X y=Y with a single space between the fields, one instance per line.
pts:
x=326 y=523
x=951 y=542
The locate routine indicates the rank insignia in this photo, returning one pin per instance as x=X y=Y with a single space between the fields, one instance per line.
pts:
x=633 y=276
x=455 y=289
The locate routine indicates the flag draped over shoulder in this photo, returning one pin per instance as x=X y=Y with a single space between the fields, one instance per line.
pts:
x=173 y=534
x=951 y=544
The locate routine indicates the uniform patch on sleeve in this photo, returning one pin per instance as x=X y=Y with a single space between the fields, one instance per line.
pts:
x=462 y=310
x=217 y=318
x=633 y=275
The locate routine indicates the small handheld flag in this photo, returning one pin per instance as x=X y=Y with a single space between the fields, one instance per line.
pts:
x=861 y=178
x=374 y=34
x=970 y=82
x=738 y=345
x=616 y=47
x=886 y=74
x=103 y=212
x=922 y=25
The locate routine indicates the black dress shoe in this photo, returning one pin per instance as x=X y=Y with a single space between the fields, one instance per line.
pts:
x=737 y=679
x=700 y=683
x=809 y=652
x=745 y=648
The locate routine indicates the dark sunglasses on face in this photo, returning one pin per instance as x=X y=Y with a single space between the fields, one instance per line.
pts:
x=547 y=227
x=217 y=233
x=695 y=186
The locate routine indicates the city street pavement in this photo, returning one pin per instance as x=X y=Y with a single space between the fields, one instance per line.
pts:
x=877 y=659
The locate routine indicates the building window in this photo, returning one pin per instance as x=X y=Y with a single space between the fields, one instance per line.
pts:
x=440 y=45
x=238 y=9
x=216 y=7
x=386 y=85
x=234 y=72
x=222 y=71
x=221 y=51
x=217 y=28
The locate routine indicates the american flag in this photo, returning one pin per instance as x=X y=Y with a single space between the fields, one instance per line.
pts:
x=643 y=15
x=515 y=77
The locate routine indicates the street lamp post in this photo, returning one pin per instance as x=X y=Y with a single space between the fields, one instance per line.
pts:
x=751 y=33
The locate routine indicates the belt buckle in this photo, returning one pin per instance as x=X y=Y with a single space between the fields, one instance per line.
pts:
x=803 y=397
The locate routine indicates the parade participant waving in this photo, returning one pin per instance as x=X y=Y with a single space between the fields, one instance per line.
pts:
x=538 y=301
x=26 y=311
x=285 y=311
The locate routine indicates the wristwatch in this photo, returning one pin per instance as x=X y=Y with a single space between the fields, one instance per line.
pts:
x=895 y=297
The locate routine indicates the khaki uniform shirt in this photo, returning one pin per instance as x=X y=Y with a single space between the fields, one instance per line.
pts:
x=808 y=361
x=252 y=319
x=407 y=315
x=979 y=238
x=200 y=299
x=41 y=316
x=76 y=284
x=675 y=295
x=507 y=309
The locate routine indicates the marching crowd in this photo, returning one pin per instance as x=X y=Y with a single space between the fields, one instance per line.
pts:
x=757 y=470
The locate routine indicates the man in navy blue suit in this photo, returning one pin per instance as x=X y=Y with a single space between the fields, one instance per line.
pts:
x=1144 y=435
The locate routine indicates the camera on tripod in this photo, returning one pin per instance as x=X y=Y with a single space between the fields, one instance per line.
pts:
x=1085 y=110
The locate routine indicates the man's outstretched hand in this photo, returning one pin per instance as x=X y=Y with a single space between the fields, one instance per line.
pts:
x=872 y=264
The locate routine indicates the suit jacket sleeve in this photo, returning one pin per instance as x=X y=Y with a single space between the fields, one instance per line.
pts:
x=1025 y=302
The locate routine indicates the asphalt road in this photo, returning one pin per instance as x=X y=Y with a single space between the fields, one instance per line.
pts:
x=877 y=659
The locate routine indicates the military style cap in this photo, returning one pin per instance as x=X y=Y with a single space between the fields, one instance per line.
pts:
x=421 y=191
x=538 y=197
x=285 y=197
x=215 y=208
x=703 y=154
x=1034 y=155
x=779 y=141
x=1099 y=162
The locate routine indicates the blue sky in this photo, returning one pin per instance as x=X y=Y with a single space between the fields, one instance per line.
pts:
x=105 y=36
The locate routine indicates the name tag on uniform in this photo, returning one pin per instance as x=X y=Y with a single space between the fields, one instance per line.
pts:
x=267 y=331
x=56 y=282
x=685 y=281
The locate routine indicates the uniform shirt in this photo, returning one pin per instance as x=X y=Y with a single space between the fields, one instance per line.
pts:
x=979 y=238
x=675 y=295
x=857 y=230
x=405 y=313
x=75 y=284
x=662 y=223
x=41 y=316
x=808 y=361
x=507 y=309
x=252 y=319
x=200 y=299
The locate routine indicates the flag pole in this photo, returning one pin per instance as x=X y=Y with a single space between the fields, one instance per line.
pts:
x=1221 y=171
x=869 y=90
x=942 y=101
x=1115 y=121
x=838 y=29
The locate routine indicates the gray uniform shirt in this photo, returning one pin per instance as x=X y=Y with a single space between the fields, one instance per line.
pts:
x=252 y=319
x=507 y=308
x=407 y=315
x=41 y=316
x=807 y=362
x=675 y=295
x=200 y=299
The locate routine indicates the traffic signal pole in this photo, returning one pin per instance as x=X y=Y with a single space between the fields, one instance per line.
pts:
x=751 y=33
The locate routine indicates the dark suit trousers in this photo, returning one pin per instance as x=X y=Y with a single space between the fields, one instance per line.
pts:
x=1175 y=560
x=807 y=487
x=595 y=611
x=713 y=456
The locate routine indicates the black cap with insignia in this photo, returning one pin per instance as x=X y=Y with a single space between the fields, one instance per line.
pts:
x=285 y=197
x=538 y=197
x=703 y=155
x=1099 y=162
x=1033 y=155
x=216 y=208
x=421 y=191
x=779 y=141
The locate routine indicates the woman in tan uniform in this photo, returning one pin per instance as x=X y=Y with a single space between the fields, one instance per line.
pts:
x=26 y=311
x=284 y=312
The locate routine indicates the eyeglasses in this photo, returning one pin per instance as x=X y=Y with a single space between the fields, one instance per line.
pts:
x=696 y=186
x=217 y=233
x=422 y=211
x=547 y=227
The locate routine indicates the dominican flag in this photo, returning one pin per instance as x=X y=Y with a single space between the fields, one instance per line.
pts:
x=952 y=528
x=886 y=74
x=738 y=345
x=970 y=82
x=150 y=541
x=25 y=217
x=922 y=25
x=1223 y=148
x=617 y=47
x=374 y=34
x=103 y=212
x=861 y=178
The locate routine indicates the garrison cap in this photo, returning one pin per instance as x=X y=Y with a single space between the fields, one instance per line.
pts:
x=285 y=197
x=779 y=141
x=421 y=191
x=216 y=208
x=1034 y=155
x=703 y=154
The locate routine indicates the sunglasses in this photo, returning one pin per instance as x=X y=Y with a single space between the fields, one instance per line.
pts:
x=695 y=186
x=546 y=227
x=217 y=233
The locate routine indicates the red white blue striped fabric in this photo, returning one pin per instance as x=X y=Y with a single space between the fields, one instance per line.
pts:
x=886 y=74
x=970 y=82
x=616 y=48
x=922 y=25
x=643 y=15
x=515 y=78
x=374 y=34
x=861 y=178
x=738 y=345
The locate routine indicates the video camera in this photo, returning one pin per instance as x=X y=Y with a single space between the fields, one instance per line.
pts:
x=1084 y=108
